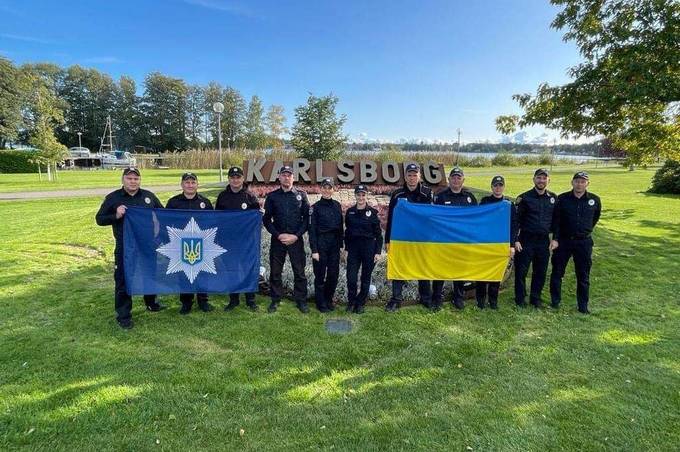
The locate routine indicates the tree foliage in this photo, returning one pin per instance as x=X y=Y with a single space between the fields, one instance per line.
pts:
x=13 y=92
x=317 y=132
x=628 y=86
x=254 y=125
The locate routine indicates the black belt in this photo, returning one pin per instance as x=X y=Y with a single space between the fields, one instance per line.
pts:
x=579 y=237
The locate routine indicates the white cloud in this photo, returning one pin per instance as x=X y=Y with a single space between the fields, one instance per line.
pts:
x=25 y=38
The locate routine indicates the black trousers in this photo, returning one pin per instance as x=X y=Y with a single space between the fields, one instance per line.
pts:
x=250 y=297
x=360 y=254
x=123 y=301
x=535 y=252
x=484 y=288
x=188 y=298
x=277 y=257
x=326 y=271
x=458 y=291
x=423 y=291
x=582 y=252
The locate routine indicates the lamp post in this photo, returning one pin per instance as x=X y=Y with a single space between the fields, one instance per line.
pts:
x=218 y=107
x=80 y=143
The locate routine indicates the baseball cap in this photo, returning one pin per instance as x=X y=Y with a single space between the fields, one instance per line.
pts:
x=413 y=167
x=581 y=175
x=235 y=171
x=456 y=171
x=327 y=181
x=189 y=175
x=131 y=169
x=497 y=180
x=286 y=169
x=541 y=172
x=360 y=189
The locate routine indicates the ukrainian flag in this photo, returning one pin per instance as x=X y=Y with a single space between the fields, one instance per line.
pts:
x=430 y=242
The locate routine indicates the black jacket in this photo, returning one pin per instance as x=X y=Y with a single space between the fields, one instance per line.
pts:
x=535 y=213
x=107 y=212
x=421 y=195
x=325 y=224
x=574 y=217
x=242 y=200
x=198 y=202
x=362 y=224
x=448 y=198
x=513 y=214
x=286 y=212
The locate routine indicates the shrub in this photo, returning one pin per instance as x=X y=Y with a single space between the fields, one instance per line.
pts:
x=17 y=162
x=503 y=159
x=667 y=178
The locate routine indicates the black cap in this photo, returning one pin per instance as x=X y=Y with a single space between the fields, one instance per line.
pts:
x=456 y=171
x=131 y=169
x=581 y=175
x=235 y=171
x=541 y=172
x=286 y=169
x=189 y=175
x=497 y=180
x=327 y=182
x=413 y=167
x=360 y=189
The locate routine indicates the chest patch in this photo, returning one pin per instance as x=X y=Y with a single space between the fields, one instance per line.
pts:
x=591 y=202
x=147 y=200
x=447 y=202
x=244 y=206
x=368 y=213
x=552 y=200
x=202 y=204
x=299 y=197
x=469 y=200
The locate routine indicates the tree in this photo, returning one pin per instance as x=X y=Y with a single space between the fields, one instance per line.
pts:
x=164 y=109
x=13 y=92
x=254 y=127
x=317 y=132
x=127 y=117
x=276 y=125
x=628 y=87
x=233 y=117
x=212 y=93
x=195 y=115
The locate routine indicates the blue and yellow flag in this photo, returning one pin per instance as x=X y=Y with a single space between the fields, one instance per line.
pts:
x=430 y=242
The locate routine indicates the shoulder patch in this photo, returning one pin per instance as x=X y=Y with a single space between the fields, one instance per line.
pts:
x=518 y=199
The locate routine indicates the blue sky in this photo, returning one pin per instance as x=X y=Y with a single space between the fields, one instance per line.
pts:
x=402 y=69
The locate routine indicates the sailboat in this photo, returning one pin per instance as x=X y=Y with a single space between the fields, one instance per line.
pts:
x=113 y=158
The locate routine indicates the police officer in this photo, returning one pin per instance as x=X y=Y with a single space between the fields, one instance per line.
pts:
x=190 y=199
x=112 y=212
x=363 y=244
x=482 y=288
x=576 y=214
x=236 y=196
x=455 y=195
x=325 y=240
x=286 y=217
x=533 y=246
x=413 y=191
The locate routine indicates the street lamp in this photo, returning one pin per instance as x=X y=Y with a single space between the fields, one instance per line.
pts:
x=218 y=107
x=80 y=144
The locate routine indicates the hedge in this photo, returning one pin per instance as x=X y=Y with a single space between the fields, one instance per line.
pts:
x=16 y=162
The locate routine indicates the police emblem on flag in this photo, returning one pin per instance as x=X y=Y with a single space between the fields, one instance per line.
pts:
x=191 y=250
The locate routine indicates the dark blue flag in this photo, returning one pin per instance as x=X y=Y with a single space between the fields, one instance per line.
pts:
x=191 y=251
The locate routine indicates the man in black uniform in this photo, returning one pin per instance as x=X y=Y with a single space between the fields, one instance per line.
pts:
x=456 y=196
x=237 y=197
x=112 y=212
x=325 y=240
x=482 y=288
x=363 y=243
x=413 y=191
x=190 y=199
x=533 y=246
x=286 y=216
x=576 y=214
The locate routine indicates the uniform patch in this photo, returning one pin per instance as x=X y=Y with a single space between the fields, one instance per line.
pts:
x=469 y=200
x=299 y=197
x=447 y=202
x=244 y=206
x=591 y=202
x=147 y=200
x=518 y=200
x=202 y=204
x=368 y=213
x=552 y=200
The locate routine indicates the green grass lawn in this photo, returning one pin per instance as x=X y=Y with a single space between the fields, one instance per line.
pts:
x=70 y=379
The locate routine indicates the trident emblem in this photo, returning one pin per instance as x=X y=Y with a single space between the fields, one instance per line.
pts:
x=192 y=251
